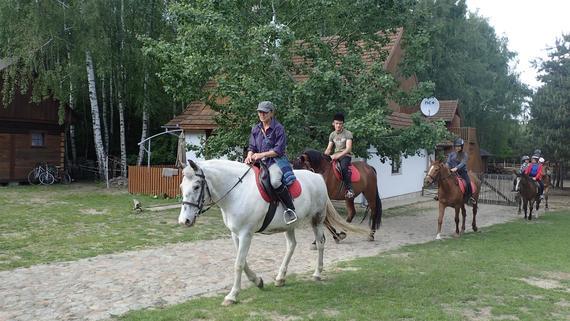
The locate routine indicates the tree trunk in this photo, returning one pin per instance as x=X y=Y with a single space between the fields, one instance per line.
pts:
x=99 y=149
x=104 y=116
x=120 y=88
x=145 y=120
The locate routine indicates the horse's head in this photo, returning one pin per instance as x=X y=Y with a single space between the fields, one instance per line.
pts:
x=435 y=171
x=311 y=160
x=194 y=189
x=302 y=162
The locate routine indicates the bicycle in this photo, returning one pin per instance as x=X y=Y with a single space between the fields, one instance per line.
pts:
x=46 y=174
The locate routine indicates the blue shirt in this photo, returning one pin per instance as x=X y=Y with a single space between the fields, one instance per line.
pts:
x=453 y=161
x=274 y=138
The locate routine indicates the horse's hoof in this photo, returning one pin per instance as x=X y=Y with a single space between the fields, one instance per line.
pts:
x=370 y=238
x=316 y=278
x=456 y=235
x=313 y=246
x=279 y=283
x=336 y=240
x=260 y=283
x=228 y=302
x=475 y=228
x=341 y=235
x=438 y=237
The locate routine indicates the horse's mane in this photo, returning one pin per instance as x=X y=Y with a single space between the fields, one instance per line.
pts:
x=315 y=156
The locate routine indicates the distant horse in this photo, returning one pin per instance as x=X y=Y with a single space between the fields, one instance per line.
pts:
x=528 y=190
x=367 y=184
x=232 y=186
x=450 y=195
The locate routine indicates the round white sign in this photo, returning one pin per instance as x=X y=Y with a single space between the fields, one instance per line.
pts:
x=429 y=106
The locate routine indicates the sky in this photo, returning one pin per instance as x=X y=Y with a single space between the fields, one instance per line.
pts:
x=531 y=27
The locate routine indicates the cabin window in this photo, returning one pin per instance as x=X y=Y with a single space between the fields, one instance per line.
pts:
x=396 y=165
x=38 y=140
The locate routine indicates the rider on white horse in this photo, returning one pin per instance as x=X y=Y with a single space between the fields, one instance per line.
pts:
x=267 y=143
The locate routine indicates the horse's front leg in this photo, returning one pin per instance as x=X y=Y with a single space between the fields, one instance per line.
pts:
x=258 y=281
x=440 y=220
x=456 y=221
x=291 y=244
x=464 y=218
x=243 y=243
x=474 y=223
x=525 y=204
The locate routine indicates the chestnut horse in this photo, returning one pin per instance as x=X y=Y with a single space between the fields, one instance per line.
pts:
x=318 y=162
x=528 y=190
x=450 y=195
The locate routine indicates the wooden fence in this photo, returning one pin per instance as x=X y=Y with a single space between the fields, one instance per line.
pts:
x=161 y=180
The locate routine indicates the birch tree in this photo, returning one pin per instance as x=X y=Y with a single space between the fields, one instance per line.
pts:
x=99 y=148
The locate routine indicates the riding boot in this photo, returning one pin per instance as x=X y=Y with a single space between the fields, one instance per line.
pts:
x=346 y=175
x=289 y=213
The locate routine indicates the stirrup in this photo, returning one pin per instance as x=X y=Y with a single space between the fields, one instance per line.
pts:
x=290 y=216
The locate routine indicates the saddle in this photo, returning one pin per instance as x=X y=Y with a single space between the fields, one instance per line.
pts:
x=266 y=190
x=461 y=183
x=354 y=172
x=268 y=194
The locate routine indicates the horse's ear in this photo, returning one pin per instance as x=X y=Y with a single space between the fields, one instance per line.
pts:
x=516 y=172
x=193 y=165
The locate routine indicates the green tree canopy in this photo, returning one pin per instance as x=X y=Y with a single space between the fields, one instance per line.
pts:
x=550 y=107
x=256 y=52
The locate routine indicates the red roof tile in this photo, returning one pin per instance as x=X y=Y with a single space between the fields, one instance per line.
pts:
x=400 y=120
x=447 y=110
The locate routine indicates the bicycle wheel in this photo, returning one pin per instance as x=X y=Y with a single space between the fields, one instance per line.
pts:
x=65 y=178
x=46 y=178
x=33 y=177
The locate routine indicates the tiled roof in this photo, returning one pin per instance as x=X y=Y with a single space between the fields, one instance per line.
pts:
x=400 y=120
x=368 y=57
x=447 y=110
x=197 y=116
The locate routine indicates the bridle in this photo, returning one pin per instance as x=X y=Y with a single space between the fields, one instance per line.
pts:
x=204 y=188
x=433 y=178
x=306 y=163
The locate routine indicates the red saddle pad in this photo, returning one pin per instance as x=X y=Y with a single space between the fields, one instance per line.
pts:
x=462 y=185
x=354 y=172
x=294 y=189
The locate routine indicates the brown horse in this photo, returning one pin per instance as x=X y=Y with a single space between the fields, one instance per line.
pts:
x=528 y=190
x=319 y=163
x=450 y=195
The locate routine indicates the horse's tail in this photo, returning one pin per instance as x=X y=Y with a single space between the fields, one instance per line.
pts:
x=333 y=219
x=376 y=217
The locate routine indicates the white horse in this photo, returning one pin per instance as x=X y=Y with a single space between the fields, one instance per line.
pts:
x=231 y=185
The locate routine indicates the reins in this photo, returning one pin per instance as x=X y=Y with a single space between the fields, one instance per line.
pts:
x=202 y=195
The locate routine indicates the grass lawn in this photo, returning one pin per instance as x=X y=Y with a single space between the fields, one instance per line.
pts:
x=40 y=224
x=514 y=271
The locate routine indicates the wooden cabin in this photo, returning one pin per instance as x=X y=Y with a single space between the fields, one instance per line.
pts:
x=29 y=133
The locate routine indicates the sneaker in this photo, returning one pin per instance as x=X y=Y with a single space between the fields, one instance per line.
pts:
x=349 y=194
x=541 y=197
x=290 y=216
x=472 y=200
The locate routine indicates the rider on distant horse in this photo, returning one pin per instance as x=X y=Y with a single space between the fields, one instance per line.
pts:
x=525 y=161
x=535 y=171
x=341 y=139
x=457 y=162
x=267 y=143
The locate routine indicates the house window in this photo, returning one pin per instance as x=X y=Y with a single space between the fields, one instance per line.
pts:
x=396 y=165
x=38 y=140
